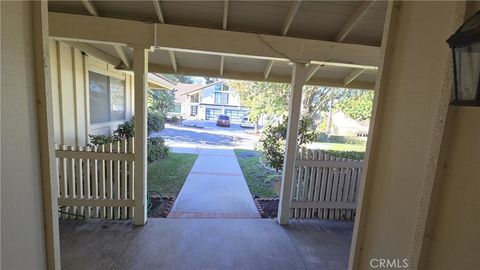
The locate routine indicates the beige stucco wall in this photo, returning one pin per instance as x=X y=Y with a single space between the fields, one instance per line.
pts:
x=405 y=135
x=455 y=237
x=22 y=238
x=70 y=93
x=455 y=241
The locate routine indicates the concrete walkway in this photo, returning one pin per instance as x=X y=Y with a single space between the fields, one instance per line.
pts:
x=215 y=188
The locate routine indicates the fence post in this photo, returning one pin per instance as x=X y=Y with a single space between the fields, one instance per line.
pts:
x=298 y=80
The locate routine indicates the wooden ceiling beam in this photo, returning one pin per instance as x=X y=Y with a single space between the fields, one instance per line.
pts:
x=210 y=41
x=353 y=20
x=90 y=7
x=352 y=76
x=253 y=76
x=286 y=25
x=312 y=69
x=224 y=27
x=161 y=19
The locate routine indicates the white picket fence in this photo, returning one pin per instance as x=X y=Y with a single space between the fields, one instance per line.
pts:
x=325 y=187
x=96 y=182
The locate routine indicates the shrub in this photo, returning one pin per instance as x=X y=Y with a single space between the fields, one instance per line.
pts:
x=125 y=131
x=100 y=139
x=155 y=122
x=346 y=154
x=323 y=137
x=157 y=149
x=272 y=143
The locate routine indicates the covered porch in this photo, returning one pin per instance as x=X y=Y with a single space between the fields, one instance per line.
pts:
x=420 y=151
x=175 y=243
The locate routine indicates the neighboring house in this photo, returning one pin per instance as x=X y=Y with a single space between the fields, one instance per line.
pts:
x=346 y=126
x=180 y=107
x=90 y=96
x=207 y=102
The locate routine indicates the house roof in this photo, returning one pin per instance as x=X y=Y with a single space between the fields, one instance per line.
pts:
x=160 y=81
x=182 y=88
x=198 y=88
x=210 y=38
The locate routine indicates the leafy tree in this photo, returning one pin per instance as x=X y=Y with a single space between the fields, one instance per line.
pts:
x=358 y=106
x=178 y=78
x=160 y=101
x=263 y=98
x=272 y=143
x=209 y=80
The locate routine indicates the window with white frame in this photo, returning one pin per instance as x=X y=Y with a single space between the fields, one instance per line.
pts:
x=195 y=98
x=221 y=87
x=107 y=98
x=221 y=98
x=175 y=108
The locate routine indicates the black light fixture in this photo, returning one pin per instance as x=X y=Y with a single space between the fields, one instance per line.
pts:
x=465 y=45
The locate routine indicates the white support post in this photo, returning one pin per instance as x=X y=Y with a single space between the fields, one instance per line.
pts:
x=298 y=80
x=140 y=70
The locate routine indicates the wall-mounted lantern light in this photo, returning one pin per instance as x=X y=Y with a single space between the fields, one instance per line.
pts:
x=465 y=45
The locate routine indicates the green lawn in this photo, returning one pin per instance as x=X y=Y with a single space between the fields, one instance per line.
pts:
x=260 y=181
x=337 y=146
x=167 y=176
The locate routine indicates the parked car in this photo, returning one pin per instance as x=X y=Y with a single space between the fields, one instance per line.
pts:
x=223 y=121
x=246 y=123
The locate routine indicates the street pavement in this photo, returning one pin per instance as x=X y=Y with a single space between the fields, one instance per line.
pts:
x=205 y=134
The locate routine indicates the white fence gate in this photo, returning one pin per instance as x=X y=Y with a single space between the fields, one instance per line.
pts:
x=96 y=182
x=325 y=187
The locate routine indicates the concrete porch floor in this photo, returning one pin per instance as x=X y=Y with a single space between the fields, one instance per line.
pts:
x=205 y=244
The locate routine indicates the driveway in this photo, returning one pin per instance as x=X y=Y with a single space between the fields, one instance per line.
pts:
x=199 y=134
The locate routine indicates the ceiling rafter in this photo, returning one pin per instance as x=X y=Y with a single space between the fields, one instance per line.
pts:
x=347 y=28
x=286 y=25
x=354 y=19
x=268 y=68
x=224 y=27
x=92 y=51
x=118 y=49
x=161 y=19
x=352 y=76
x=312 y=68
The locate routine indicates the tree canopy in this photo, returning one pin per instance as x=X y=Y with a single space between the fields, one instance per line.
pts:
x=263 y=97
x=358 y=106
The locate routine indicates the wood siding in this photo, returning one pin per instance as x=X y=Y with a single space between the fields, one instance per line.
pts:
x=69 y=71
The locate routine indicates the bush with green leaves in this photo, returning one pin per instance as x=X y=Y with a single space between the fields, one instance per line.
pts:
x=155 y=122
x=323 y=137
x=355 y=155
x=157 y=149
x=272 y=143
x=156 y=146
x=125 y=131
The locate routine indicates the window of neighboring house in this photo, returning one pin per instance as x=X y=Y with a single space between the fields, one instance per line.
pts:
x=193 y=110
x=175 y=108
x=221 y=87
x=221 y=98
x=107 y=98
x=195 y=98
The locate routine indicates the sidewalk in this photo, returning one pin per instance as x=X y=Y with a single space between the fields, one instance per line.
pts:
x=215 y=188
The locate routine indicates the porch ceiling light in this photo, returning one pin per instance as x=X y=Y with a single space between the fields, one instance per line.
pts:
x=465 y=45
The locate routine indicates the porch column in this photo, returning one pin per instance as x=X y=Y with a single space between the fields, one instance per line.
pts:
x=140 y=70
x=298 y=80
